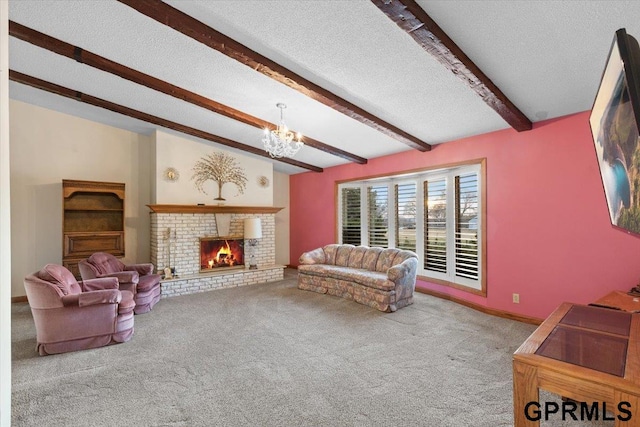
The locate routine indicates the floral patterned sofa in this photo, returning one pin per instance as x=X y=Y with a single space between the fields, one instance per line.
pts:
x=377 y=277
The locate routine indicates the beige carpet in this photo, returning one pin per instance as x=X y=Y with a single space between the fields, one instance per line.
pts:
x=273 y=355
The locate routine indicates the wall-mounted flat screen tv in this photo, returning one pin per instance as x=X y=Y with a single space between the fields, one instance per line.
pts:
x=614 y=120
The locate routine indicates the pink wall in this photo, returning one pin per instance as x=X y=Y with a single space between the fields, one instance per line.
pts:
x=548 y=232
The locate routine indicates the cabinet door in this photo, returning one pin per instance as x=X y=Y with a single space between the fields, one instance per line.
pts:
x=79 y=244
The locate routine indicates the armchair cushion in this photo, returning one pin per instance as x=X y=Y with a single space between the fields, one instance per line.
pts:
x=123 y=276
x=148 y=282
x=127 y=303
x=105 y=296
x=141 y=269
x=71 y=300
x=61 y=278
x=106 y=263
x=100 y=283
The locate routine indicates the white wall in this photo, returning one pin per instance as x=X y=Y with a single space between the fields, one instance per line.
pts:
x=5 y=225
x=281 y=200
x=182 y=154
x=48 y=147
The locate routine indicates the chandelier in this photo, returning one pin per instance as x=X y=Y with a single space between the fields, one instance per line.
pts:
x=279 y=142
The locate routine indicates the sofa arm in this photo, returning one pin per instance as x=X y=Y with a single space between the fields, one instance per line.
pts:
x=315 y=256
x=106 y=296
x=99 y=284
x=124 y=276
x=404 y=277
x=142 y=269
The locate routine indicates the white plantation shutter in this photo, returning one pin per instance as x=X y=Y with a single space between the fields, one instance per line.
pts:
x=435 y=225
x=466 y=239
x=378 y=210
x=442 y=221
x=405 y=217
x=351 y=216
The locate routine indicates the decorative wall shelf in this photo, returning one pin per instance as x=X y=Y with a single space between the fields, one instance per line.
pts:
x=213 y=209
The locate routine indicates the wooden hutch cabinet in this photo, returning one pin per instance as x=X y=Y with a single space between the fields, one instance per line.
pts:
x=92 y=220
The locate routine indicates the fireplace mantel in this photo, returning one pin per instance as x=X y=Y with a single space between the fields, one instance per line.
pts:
x=214 y=209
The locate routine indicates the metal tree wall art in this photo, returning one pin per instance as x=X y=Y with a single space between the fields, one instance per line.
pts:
x=221 y=168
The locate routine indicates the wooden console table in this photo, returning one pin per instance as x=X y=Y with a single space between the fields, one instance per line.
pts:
x=620 y=300
x=588 y=354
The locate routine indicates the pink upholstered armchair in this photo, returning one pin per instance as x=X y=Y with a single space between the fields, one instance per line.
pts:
x=72 y=316
x=137 y=278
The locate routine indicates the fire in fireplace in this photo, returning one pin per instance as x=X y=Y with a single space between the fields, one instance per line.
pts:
x=221 y=253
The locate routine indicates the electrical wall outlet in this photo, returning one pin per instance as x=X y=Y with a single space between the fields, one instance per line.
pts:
x=516 y=298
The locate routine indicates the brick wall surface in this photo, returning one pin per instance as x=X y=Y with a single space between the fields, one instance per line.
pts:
x=204 y=282
x=175 y=239
x=175 y=242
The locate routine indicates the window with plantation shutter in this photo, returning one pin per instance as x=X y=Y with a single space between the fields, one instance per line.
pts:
x=437 y=213
x=378 y=213
x=467 y=226
x=435 y=225
x=406 y=216
x=351 y=216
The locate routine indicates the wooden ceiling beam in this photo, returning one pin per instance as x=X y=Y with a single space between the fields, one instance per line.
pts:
x=89 y=58
x=409 y=16
x=120 y=109
x=197 y=30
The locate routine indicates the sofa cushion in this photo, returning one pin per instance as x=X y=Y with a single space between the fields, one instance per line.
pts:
x=315 y=269
x=330 y=252
x=402 y=256
x=385 y=260
x=356 y=256
x=372 y=279
x=370 y=258
x=342 y=255
x=315 y=256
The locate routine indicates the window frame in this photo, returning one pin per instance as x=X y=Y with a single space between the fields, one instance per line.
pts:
x=418 y=177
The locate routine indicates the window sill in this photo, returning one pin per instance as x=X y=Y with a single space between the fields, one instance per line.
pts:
x=482 y=292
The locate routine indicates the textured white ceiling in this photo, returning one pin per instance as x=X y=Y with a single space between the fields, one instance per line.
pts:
x=547 y=56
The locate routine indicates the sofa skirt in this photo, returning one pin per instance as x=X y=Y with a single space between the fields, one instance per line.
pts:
x=379 y=299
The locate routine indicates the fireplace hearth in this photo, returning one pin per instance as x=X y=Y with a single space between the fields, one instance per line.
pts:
x=221 y=253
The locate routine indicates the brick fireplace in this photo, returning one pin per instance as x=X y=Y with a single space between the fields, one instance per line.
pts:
x=176 y=233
